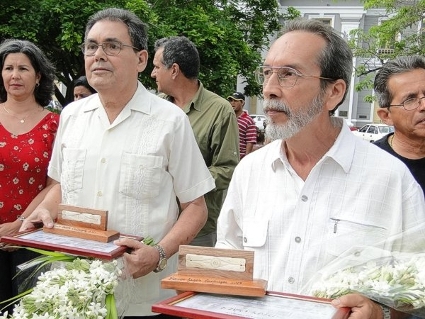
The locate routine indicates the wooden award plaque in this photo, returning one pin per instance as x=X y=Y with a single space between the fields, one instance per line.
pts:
x=85 y=223
x=78 y=231
x=198 y=305
x=214 y=270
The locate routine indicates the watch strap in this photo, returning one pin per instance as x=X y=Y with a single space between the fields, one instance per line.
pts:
x=162 y=258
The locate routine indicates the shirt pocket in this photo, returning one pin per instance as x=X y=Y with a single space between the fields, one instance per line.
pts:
x=255 y=232
x=344 y=234
x=140 y=175
x=73 y=169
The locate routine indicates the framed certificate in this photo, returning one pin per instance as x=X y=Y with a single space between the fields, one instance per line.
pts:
x=272 y=305
x=66 y=244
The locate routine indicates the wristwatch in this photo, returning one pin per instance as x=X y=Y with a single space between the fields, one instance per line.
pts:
x=386 y=311
x=162 y=263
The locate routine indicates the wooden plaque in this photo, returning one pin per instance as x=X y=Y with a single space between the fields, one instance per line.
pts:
x=83 y=223
x=104 y=236
x=82 y=217
x=71 y=245
x=213 y=270
x=273 y=305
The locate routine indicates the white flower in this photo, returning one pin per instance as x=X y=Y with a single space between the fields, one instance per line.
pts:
x=77 y=290
x=397 y=282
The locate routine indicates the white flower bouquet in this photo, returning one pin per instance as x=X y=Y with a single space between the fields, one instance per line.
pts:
x=74 y=288
x=77 y=289
x=394 y=279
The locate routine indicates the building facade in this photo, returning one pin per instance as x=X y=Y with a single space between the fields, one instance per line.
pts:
x=343 y=16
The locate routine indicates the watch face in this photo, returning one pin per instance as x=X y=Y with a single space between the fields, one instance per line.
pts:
x=162 y=264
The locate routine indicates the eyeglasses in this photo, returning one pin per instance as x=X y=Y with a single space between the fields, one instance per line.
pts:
x=410 y=104
x=109 y=47
x=286 y=76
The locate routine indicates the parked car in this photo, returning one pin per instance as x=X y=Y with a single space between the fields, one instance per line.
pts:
x=373 y=132
x=259 y=120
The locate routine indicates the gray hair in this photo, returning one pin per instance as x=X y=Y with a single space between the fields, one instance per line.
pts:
x=137 y=30
x=42 y=66
x=398 y=65
x=336 y=59
x=182 y=51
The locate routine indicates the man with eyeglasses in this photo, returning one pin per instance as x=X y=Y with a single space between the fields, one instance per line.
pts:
x=317 y=191
x=129 y=152
x=400 y=90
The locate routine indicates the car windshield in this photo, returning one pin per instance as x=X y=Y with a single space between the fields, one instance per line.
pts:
x=386 y=129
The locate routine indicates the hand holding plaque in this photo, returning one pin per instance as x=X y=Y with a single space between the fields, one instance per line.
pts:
x=79 y=231
x=83 y=223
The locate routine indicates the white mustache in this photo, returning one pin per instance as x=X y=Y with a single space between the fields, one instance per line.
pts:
x=274 y=105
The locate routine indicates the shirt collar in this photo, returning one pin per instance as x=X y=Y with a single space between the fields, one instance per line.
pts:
x=342 y=151
x=141 y=94
x=92 y=102
x=344 y=147
x=195 y=103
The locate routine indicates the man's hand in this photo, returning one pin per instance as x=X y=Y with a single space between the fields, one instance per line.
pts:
x=39 y=216
x=141 y=260
x=361 y=307
x=46 y=211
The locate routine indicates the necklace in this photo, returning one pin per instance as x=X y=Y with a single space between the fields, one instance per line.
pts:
x=390 y=140
x=22 y=120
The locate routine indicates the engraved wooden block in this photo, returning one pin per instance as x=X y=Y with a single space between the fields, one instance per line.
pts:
x=82 y=217
x=104 y=236
x=214 y=270
x=85 y=223
x=224 y=263
x=228 y=286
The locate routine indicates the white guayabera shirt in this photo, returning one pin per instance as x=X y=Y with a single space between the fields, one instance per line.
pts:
x=134 y=168
x=356 y=195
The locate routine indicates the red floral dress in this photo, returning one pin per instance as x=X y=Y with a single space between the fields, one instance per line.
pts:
x=23 y=166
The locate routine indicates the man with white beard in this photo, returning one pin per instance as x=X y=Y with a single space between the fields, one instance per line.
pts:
x=316 y=190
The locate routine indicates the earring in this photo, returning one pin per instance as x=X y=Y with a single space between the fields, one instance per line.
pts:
x=37 y=85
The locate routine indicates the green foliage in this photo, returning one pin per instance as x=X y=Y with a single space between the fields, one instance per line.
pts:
x=398 y=34
x=229 y=34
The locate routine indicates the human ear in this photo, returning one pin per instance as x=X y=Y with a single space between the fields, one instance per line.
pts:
x=385 y=116
x=335 y=93
x=142 y=60
x=175 y=70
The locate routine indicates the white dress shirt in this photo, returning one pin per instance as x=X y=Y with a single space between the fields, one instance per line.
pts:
x=134 y=168
x=356 y=195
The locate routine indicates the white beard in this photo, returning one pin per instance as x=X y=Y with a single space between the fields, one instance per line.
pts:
x=297 y=120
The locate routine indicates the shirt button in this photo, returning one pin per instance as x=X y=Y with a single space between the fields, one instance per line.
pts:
x=103 y=160
x=304 y=198
x=99 y=193
x=297 y=239
x=291 y=280
x=357 y=253
x=245 y=239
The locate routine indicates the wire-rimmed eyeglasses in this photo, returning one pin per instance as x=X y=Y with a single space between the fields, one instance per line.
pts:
x=410 y=104
x=286 y=76
x=109 y=47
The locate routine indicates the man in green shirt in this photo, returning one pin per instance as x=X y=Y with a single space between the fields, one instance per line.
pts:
x=176 y=69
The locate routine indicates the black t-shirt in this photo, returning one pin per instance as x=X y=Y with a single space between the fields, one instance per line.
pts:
x=416 y=166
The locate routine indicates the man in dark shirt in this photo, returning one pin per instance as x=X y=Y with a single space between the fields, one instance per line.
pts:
x=400 y=88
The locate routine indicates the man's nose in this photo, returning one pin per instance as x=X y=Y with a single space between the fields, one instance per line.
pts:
x=272 y=87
